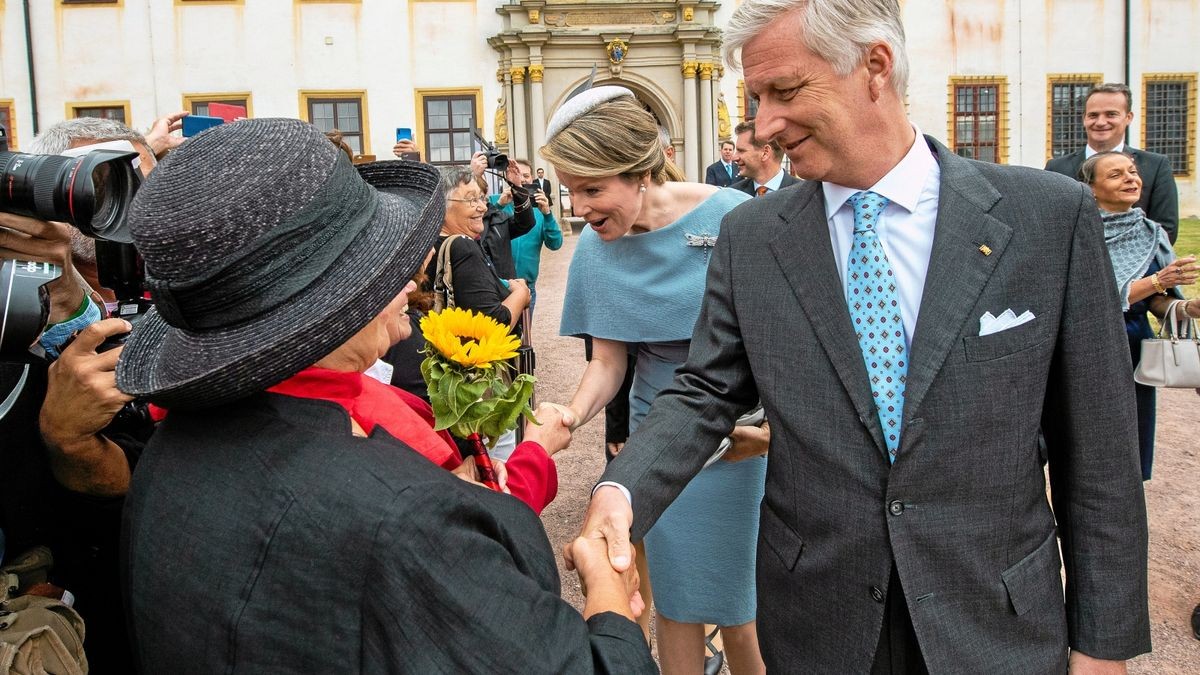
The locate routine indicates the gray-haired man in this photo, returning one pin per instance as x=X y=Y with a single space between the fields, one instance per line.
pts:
x=911 y=320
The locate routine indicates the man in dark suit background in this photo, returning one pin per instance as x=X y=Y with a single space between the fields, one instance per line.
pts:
x=542 y=183
x=905 y=524
x=723 y=172
x=1107 y=114
x=759 y=163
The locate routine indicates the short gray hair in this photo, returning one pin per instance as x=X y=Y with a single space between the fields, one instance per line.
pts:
x=58 y=138
x=664 y=137
x=455 y=176
x=839 y=31
x=1087 y=170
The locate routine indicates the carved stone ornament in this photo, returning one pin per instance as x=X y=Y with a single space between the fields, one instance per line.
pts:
x=706 y=71
x=500 y=75
x=689 y=70
x=534 y=16
x=617 y=50
x=689 y=13
x=535 y=72
x=723 y=126
x=518 y=74
x=500 y=127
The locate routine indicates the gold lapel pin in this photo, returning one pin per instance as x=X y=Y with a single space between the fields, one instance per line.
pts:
x=985 y=249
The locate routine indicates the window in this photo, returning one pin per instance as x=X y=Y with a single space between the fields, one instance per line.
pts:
x=1169 y=118
x=747 y=106
x=344 y=111
x=1066 y=97
x=197 y=104
x=7 y=116
x=977 y=118
x=446 y=119
x=108 y=110
x=91 y=2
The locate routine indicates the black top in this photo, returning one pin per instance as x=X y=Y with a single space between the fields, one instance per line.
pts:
x=500 y=228
x=262 y=537
x=476 y=284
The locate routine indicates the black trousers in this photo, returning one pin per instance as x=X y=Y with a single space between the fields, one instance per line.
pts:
x=898 y=652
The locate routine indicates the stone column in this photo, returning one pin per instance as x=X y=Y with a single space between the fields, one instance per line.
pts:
x=691 y=143
x=520 y=145
x=708 y=115
x=537 y=113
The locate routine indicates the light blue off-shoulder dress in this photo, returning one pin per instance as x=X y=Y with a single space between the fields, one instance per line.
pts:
x=645 y=290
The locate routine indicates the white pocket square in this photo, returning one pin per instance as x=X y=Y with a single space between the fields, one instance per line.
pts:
x=989 y=324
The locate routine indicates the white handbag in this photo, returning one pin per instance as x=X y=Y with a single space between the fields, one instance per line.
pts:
x=1173 y=358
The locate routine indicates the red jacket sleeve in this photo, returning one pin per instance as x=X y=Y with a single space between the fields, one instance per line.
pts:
x=532 y=476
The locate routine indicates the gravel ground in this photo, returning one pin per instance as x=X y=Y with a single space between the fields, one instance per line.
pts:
x=1172 y=498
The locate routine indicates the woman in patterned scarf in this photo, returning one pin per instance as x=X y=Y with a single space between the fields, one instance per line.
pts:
x=1148 y=275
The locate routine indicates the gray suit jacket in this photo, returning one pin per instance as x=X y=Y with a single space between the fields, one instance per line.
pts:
x=962 y=514
x=1160 y=195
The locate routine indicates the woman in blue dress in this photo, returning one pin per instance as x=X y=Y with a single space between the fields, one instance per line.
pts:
x=635 y=286
x=1148 y=275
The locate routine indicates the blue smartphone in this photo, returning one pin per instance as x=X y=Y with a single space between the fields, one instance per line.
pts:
x=194 y=124
x=403 y=134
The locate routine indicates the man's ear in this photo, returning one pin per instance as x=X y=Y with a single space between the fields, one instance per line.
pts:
x=879 y=61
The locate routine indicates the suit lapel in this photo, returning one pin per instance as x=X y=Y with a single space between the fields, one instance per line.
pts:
x=805 y=256
x=958 y=269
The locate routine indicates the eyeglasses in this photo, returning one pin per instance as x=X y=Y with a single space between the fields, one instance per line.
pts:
x=469 y=200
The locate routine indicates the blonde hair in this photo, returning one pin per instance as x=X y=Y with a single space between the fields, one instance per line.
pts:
x=616 y=138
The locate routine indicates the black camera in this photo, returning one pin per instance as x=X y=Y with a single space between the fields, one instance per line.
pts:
x=496 y=160
x=91 y=192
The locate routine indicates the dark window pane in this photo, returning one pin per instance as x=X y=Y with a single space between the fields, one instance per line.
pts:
x=1066 y=117
x=1167 y=110
x=103 y=112
x=977 y=121
x=449 y=121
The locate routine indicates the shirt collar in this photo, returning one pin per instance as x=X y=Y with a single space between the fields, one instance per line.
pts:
x=1088 y=151
x=902 y=185
x=772 y=184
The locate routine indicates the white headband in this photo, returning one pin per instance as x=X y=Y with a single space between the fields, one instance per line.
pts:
x=578 y=105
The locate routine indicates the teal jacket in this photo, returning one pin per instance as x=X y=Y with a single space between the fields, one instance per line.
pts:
x=527 y=248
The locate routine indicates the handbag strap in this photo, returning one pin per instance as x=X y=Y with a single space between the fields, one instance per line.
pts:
x=1173 y=328
x=443 y=276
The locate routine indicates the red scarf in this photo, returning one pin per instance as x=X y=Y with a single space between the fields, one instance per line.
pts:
x=372 y=403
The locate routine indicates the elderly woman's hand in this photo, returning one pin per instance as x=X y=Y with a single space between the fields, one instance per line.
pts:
x=554 y=432
x=469 y=472
x=1181 y=272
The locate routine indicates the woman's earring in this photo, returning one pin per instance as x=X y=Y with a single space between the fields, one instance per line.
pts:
x=642 y=188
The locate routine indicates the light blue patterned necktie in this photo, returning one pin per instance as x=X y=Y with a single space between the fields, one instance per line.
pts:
x=874 y=303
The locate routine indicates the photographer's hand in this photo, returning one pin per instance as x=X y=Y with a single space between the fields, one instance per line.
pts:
x=478 y=163
x=25 y=238
x=405 y=145
x=81 y=399
x=160 y=138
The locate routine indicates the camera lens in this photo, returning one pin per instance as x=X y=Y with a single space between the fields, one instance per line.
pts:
x=91 y=192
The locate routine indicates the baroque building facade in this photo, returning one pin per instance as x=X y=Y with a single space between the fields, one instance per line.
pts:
x=1000 y=81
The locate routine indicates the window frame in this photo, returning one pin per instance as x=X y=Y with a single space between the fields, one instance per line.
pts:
x=1190 y=141
x=11 y=105
x=1052 y=79
x=87 y=3
x=1002 y=128
x=339 y=95
x=74 y=106
x=190 y=100
x=421 y=95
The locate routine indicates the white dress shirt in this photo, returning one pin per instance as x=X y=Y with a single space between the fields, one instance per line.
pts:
x=905 y=227
x=1088 y=151
x=773 y=184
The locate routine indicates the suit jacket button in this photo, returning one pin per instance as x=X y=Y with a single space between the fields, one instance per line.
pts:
x=876 y=594
x=896 y=507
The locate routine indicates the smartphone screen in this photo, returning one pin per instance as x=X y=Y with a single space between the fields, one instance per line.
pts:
x=403 y=134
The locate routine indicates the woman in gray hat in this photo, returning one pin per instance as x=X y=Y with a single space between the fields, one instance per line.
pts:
x=288 y=516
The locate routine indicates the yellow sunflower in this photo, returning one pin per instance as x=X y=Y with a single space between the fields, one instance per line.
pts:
x=469 y=338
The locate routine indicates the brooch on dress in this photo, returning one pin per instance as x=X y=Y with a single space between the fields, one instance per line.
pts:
x=705 y=241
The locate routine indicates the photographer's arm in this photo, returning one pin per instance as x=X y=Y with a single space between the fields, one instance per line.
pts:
x=81 y=400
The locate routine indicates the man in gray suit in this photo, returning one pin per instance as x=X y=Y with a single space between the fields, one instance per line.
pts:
x=1107 y=113
x=905 y=524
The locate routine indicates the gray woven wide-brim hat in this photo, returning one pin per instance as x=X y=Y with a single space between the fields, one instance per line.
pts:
x=265 y=251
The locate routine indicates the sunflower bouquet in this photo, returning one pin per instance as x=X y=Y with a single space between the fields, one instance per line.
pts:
x=468 y=370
